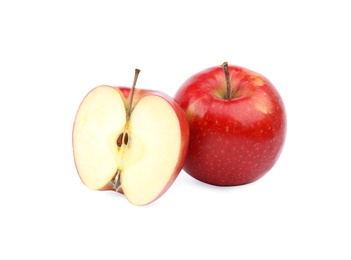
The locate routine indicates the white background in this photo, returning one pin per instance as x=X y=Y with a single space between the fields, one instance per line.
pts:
x=53 y=52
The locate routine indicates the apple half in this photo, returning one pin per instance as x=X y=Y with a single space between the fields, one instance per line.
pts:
x=136 y=148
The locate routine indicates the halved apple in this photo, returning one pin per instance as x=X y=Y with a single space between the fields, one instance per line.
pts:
x=133 y=145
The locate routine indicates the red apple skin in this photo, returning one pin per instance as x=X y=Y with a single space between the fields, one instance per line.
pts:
x=232 y=141
x=184 y=128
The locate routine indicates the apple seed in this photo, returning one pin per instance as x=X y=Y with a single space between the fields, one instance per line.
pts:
x=119 y=140
x=122 y=138
x=126 y=139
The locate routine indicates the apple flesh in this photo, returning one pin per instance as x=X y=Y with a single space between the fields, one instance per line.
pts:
x=139 y=153
x=237 y=125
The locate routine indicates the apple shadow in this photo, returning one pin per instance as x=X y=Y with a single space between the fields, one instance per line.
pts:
x=120 y=198
x=189 y=180
x=116 y=196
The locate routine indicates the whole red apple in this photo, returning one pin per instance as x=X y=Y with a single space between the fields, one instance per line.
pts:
x=237 y=125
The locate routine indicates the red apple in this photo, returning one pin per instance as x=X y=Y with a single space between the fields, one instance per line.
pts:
x=132 y=141
x=237 y=125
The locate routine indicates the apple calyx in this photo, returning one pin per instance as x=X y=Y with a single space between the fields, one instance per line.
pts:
x=227 y=80
x=123 y=138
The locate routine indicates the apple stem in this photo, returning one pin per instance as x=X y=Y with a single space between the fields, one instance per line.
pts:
x=137 y=71
x=227 y=79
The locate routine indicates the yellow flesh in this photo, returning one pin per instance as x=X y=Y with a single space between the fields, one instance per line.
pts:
x=100 y=118
x=153 y=151
x=147 y=163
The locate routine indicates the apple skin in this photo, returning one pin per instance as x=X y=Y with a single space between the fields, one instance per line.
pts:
x=232 y=141
x=184 y=129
